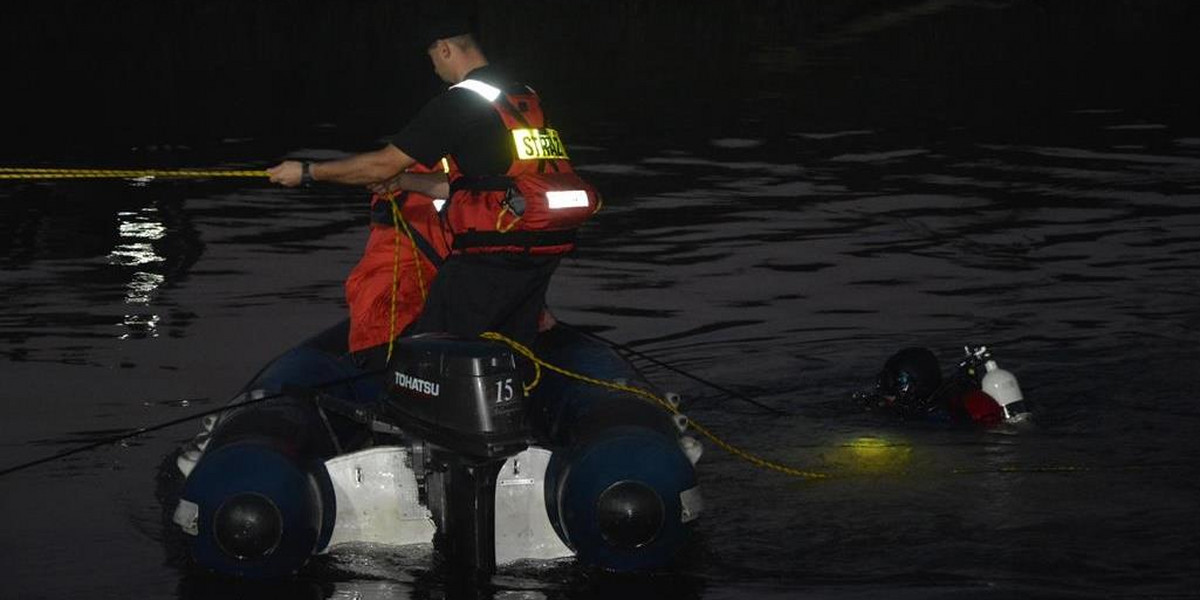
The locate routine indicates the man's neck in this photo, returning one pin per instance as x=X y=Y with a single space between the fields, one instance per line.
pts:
x=468 y=66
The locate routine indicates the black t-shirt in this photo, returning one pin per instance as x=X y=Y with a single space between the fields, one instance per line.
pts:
x=462 y=124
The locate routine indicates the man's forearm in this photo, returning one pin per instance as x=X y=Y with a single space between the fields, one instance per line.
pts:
x=363 y=169
x=434 y=185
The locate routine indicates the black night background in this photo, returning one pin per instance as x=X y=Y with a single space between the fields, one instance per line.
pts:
x=794 y=191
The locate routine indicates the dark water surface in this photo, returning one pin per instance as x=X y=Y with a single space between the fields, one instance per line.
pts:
x=794 y=191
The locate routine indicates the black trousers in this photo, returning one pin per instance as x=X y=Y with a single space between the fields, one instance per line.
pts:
x=501 y=292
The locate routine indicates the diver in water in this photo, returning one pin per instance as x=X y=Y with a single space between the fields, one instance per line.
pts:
x=978 y=393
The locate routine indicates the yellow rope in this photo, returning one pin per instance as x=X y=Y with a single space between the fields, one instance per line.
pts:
x=51 y=173
x=415 y=255
x=537 y=378
x=500 y=218
x=398 y=222
x=730 y=448
x=395 y=281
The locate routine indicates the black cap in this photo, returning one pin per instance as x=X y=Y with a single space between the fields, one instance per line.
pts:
x=448 y=20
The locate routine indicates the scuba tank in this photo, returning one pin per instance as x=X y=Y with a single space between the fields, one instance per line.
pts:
x=991 y=384
x=1002 y=386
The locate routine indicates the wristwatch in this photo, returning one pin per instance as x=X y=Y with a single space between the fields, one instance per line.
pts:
x=306 y=178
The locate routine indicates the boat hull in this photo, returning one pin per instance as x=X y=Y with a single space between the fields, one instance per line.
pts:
x=305 y=469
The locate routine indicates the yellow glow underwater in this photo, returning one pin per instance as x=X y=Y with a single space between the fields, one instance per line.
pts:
x=872 y=455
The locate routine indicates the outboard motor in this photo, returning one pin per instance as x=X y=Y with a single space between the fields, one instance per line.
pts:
x=464 y=399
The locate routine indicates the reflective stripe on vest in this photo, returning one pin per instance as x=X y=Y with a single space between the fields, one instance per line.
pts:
x=488 y=91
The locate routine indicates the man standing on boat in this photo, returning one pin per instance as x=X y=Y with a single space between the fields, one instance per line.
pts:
x=514 y=202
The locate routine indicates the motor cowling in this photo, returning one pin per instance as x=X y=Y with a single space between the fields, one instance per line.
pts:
x=461 y=394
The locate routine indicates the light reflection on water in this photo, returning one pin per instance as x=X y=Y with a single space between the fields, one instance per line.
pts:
x=137 y=232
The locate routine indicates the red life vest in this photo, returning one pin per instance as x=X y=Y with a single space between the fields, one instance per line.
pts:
x=386 y=290
x=538 y=204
